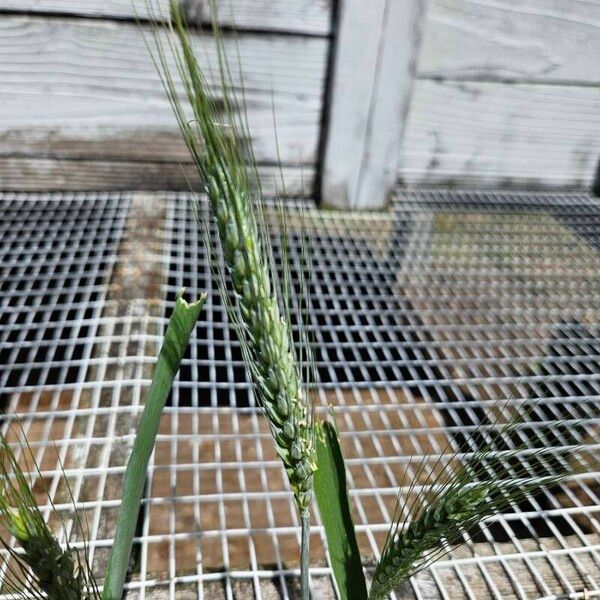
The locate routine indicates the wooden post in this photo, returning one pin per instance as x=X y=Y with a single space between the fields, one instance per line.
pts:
x=375 y=51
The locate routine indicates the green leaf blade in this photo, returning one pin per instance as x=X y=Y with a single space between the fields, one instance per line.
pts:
x=181 y=324
x=331 y=492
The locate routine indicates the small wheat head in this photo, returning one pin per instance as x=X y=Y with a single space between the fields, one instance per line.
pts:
x=58 y=574
x=499 y=474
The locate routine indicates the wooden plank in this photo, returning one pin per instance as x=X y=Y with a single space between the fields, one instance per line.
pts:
x=372 y=75
x=495 y=134
x=298 y=16
x=43 y=174
x=537 y=40
x=88 y=90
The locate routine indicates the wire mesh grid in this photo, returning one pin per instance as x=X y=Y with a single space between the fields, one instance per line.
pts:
x=424 y=317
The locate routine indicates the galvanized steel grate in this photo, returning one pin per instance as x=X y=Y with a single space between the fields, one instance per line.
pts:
x=423 y=317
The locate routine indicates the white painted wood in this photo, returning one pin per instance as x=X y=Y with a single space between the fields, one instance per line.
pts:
x=375 y=51
x=87 y=90
x=483 y=111
x=299 y=16
x=522 y=40
x=483 y=133
x=44 y=174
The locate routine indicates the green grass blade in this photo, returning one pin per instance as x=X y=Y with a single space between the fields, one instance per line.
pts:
x=181 y=324
x=331 y=492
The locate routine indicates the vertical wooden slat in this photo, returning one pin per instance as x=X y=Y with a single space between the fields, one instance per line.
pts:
x=373 y=64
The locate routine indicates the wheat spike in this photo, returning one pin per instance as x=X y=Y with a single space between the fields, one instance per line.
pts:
x=265 y=336
x=492 y=479
x=60 y=574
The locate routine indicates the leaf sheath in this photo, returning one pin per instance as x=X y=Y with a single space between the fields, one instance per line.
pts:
x=181 y=324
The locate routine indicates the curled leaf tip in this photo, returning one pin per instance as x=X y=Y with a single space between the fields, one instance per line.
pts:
x=190 y=305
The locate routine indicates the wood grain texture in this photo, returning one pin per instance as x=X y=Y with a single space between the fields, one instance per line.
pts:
x=299 y=16
x=495 y=134
x=42 y=174
x=87 y=90
x=532 y=40
x=376 y=47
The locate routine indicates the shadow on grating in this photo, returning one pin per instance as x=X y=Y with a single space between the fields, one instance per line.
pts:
x=368 y=333
x=359 y=334
x=56 y=255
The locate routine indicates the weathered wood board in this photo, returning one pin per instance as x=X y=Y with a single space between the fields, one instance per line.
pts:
x=536 y=40
x=43 y=174
x=300 y=16
x=87 y=90
x=486 y=133
x=507 y=94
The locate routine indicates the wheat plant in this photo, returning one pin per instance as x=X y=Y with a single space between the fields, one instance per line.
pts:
x=213 y=131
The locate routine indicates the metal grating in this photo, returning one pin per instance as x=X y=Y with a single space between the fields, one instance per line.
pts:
x=56 y=254
x=424 y=317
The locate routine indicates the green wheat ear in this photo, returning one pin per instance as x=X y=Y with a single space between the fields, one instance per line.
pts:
x=221 y=158
x=57 y=573
x=491 y=480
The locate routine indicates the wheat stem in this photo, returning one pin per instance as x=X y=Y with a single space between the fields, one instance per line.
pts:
x=305 y=557
x=181 y=324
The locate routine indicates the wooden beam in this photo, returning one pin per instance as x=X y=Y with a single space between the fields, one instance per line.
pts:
x=23 y=174
x=286 y=16
x=372 y=71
